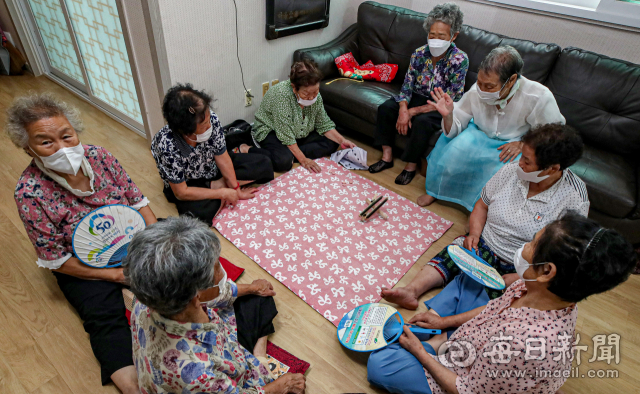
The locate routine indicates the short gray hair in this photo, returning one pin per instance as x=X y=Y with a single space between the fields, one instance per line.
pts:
x=170 y=261
x=28 y=109
x=503 y=61
x=448 y=13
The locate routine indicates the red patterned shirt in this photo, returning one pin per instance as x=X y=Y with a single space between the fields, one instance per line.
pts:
x=50 y=211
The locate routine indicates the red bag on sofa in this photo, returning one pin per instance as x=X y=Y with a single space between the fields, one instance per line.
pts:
x=349 y=68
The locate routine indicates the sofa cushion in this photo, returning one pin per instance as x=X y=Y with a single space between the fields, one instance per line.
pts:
x=600 y=97
x=610 y=179
x=538 y=58
x=359 y=98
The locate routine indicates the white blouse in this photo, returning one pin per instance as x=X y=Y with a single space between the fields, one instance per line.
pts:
x=533 y=104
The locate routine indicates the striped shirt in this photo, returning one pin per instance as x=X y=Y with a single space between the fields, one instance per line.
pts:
x=513 y=219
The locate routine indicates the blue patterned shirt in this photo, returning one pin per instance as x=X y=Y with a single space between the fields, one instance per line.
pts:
x=422 y=77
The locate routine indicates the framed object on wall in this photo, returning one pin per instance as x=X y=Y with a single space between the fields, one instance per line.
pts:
x=288 y=17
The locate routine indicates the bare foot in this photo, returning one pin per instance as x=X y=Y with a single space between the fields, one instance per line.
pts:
x=425 y=200
x=401 y=296
x=244 y=148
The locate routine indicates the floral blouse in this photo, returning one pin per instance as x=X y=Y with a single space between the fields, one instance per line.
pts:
x=178 y=161
x=518 y=345
x=175 y=357
x=280 y=112
x=50 y=211
x=449 y=73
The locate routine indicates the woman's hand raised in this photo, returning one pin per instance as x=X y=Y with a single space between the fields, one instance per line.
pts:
x=443 y=103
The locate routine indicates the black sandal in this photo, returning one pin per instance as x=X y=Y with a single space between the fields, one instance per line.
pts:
x=380 y=166
x=405 y=177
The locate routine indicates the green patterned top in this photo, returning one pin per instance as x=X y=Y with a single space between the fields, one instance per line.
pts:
x=280 y=112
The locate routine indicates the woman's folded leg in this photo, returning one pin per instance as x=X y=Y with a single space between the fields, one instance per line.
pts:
x=101 y=307
x=204 y=210
x=315 y=146
x=279 y=154
x=254 y=316
x=461 y=295
x=398 y=371
x=252 y=167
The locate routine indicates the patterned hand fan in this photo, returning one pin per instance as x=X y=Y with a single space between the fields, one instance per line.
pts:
x=371 y=327
x=102 y=237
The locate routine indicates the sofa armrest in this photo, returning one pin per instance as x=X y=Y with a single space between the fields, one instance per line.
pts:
x=325 y=54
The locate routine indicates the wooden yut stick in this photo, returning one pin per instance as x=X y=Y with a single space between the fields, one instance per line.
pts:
x=375 y=209
x=381 y=213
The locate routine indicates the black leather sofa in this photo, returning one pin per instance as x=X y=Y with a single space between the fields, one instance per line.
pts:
x=598 y=95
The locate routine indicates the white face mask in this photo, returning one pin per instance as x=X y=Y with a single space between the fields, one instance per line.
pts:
x=204 y=136
x=438 y=47
x=307 y=103
x=223 y=280
x=530 y=176
x=493 y=98
x=222 y=287
x=522 y=265
x=490 y=96
x=65 y=160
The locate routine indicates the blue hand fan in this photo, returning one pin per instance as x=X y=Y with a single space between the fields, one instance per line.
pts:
x=102 y=237
x=370 y=327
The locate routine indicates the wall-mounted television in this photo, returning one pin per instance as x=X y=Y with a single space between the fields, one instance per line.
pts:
x=287 y=17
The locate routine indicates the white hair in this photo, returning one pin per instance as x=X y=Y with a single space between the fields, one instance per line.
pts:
x=28 y=109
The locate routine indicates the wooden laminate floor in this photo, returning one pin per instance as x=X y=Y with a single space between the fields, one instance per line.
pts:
x=44 y=349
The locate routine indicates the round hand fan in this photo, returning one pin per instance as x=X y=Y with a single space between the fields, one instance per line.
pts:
x=474 y=266
x=371 y=327
x=102 y=237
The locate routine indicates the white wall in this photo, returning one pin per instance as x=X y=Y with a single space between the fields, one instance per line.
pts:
x=201 y=45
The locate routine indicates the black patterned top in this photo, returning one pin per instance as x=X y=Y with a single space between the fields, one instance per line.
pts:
x=178 y=161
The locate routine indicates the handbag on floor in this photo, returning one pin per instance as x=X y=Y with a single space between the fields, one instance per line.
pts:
x=238 y=133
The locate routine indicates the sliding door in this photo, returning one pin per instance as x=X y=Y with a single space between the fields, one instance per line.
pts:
x=85 y=47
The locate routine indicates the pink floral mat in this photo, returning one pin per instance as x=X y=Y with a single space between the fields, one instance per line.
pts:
x=304 y=230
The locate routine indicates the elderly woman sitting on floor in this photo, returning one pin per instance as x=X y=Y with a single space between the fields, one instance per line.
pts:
x=516 y=203
x=529 y=329
x=198 y=172
x=504 y=105
x=292 y=124
x=194 y=330
x=63 y=183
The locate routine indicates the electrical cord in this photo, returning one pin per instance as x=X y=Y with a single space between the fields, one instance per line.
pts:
x=238 y=52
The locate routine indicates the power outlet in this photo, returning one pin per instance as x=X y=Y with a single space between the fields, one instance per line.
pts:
x=248 y=98
x=274 y=82
x=265 y=87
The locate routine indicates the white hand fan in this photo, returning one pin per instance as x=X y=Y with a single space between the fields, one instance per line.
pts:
x=102 y=237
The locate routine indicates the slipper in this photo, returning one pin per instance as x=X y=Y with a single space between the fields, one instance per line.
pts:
x=380 y=166
x=405 y=177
